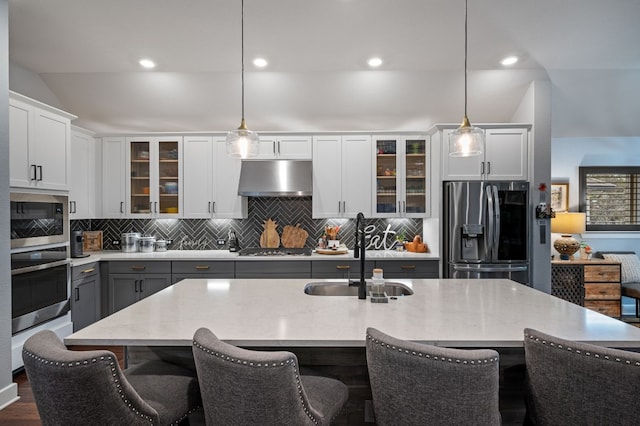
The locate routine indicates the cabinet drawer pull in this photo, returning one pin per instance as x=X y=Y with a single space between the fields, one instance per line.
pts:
x=343 y=266
x=202 y=267
x=408 y=267
x=88 y=271
x=138 y=268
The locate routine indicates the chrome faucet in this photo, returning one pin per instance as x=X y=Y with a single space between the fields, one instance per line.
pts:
x=358 y=252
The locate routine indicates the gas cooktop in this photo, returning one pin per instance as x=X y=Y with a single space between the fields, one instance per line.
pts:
x=306 y=251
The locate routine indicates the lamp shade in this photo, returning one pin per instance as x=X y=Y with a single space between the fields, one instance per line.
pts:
x=568 y=223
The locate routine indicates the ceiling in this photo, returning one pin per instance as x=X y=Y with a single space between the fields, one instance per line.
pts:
x=86 y=53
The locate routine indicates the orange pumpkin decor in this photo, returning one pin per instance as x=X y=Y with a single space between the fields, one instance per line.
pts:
x=416 y=246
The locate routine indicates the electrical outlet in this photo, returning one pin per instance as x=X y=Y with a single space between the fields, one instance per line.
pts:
x=115 y=242
x=169 y=242
x=221 y=241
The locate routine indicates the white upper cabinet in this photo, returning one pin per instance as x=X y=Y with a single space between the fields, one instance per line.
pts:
x=341 y=176
x=114 y=177
x=39 y=144
x=285 y=147
x=505 y=156
x=82 y=186
x=210 y=180
x=401 y=175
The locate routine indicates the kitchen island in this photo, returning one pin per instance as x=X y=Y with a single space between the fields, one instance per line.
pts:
x=327 y=333
x=262 y=312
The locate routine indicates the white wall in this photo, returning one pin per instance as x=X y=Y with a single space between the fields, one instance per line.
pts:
x=8 y=390
x=568 y=154
x=31 y=84
x=535 y=108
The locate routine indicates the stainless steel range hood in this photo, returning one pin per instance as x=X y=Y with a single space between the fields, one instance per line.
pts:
x=275 y=178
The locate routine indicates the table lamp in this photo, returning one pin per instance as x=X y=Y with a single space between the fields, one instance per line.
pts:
x=567 y=224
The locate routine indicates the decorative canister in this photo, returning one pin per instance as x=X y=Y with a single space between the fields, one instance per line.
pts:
x=161 y=245
x=147 y=244
x=130 y=242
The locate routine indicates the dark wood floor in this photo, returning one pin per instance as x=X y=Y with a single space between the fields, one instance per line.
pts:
x=22 y=412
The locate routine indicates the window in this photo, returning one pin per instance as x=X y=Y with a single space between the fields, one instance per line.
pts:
x=610 y=196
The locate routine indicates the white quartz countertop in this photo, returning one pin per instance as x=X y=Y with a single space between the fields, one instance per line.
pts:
x=277 y=313
x=227 y=255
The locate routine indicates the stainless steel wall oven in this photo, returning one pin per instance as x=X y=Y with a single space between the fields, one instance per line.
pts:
x=40 y=265
x=40 y=286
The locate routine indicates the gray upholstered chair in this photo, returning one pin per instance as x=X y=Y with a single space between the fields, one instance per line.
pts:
x=572 y=383
x=89 y=388
x=419 y=384
x=246 y=387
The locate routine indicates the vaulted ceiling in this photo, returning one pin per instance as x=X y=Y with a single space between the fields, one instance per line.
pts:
x=86 y=52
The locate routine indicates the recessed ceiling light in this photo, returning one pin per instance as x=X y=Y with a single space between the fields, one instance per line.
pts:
x=147 y=63
x=260 y=62
x=374 y=62
x=509 y=60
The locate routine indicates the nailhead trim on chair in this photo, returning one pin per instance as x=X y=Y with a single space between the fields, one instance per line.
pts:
x=579 y=352
x=433 y=357
x=266 y=365
x=111 y=362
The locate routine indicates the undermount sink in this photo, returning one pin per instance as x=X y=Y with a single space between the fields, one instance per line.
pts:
x=342 y=288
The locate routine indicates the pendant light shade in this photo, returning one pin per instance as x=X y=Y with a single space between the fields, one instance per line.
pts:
x=466 y=140
x=242 y=142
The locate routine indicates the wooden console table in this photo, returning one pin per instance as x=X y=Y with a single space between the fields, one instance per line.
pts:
x=594 y=284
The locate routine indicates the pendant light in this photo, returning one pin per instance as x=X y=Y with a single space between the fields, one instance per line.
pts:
x=242 y=142
x=466 y=140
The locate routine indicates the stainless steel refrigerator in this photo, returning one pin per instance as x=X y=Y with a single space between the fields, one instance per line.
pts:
x=485 y=226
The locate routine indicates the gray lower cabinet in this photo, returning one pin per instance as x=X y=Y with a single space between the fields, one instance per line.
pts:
x=273 y=269
x=85 y=295
x=409 y=268
x=133 y=281
x=181 y=270
x=341 y=269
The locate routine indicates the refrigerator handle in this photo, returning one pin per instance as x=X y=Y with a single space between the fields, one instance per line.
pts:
x=489 y=238
x=496 y=231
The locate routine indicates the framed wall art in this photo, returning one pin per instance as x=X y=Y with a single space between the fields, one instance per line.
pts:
x=560 y=197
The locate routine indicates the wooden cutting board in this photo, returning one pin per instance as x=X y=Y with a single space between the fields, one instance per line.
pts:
x=270 y=237
x=294 y=237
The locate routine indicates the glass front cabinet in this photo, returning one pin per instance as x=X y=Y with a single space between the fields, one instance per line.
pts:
x=401 y=176
x=155 y=176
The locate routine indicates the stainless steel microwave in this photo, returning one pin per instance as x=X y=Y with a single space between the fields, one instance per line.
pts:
x=38 y=219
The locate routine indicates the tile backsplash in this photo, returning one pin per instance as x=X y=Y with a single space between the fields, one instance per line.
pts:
x=202 y=234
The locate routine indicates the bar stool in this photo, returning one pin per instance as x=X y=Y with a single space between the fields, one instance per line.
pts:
x=574 y=383
x=241 y=386
x=82 y=388
x=419 y=384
